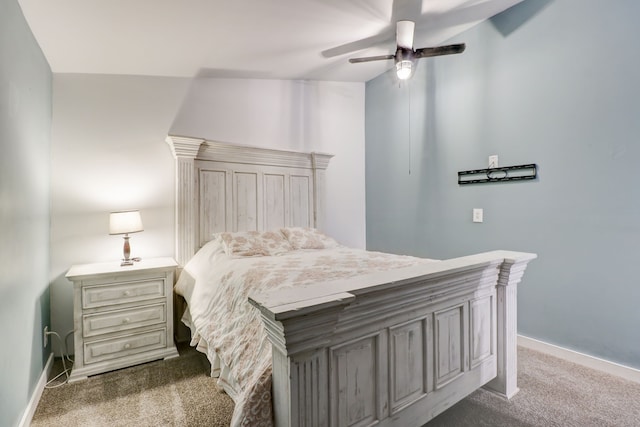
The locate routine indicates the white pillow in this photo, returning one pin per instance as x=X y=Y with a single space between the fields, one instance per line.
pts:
x=254 y=243
x=308 y=238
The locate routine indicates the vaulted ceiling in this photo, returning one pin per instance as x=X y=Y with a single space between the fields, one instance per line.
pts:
x=273 y=39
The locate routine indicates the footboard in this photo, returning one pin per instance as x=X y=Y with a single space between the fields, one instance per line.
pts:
x=395 y=348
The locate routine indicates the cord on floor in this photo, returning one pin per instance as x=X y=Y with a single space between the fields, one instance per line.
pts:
x=65 y=355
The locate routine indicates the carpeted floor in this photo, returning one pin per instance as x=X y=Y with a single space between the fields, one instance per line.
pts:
x=178 y=392
x=174 y=392
x=553 y=392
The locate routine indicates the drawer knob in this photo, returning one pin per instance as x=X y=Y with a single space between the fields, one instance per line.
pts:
x=127 y=293
x=125 y=320
x=127 y=345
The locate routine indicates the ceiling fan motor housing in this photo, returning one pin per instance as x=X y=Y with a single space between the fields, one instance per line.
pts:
x=404 y=54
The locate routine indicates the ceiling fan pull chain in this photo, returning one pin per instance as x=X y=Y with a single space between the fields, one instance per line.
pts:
x=410 y=140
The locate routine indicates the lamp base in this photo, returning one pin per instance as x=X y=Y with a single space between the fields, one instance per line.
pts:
x=126 y=251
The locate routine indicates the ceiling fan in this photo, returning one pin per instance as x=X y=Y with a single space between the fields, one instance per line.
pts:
x=405 y=56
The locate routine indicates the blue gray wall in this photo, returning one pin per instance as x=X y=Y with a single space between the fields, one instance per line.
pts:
x=549 y=82
x=25 y=122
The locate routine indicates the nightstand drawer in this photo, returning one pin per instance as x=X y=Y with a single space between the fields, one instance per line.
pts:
x=123 y=320
x=120 y=293
x=98 y=351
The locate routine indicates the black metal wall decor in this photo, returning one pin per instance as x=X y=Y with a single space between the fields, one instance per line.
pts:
x=507 y=173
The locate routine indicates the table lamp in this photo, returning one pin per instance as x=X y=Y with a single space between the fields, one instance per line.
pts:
x=125 y=222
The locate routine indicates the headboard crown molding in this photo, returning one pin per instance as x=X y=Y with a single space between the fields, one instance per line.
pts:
x=184 y=146
x=203 y=149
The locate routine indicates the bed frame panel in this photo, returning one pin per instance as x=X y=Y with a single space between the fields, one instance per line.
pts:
x=394 y=348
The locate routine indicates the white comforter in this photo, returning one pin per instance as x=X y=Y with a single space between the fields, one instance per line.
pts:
x=229 y=330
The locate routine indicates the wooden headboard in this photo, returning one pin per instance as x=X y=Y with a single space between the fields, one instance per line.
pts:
x=226 y=187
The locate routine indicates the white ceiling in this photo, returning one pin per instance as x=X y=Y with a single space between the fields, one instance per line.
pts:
x=273 y=39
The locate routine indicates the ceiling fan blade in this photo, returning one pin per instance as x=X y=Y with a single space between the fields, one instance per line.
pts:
x=371 y=58
x=404 y=34
x=440 y=50
x=384 y=37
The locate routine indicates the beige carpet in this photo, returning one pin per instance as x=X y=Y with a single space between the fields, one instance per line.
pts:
x=174 y=392
x=178 y=392
x=553 y=392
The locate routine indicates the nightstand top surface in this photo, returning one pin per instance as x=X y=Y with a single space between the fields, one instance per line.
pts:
x=114 y=267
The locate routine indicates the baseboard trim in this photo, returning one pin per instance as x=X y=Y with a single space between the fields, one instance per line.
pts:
x=592 y=362
x=37 y=394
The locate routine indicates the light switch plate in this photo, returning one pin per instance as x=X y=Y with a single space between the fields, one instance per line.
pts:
x=478 y=215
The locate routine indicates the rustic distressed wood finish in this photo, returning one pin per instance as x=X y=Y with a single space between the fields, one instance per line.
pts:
x=390 y=349
x=396 y=348
x=224 y=187
x=122 y=316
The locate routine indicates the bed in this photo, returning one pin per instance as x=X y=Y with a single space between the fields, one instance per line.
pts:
x=381 y=340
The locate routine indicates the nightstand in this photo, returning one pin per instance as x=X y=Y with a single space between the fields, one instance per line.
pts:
x=122 y=316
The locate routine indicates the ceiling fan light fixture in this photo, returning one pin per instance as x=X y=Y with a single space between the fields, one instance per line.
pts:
x=404 y=69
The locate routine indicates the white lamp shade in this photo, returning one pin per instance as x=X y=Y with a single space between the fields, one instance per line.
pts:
x=125 y=222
